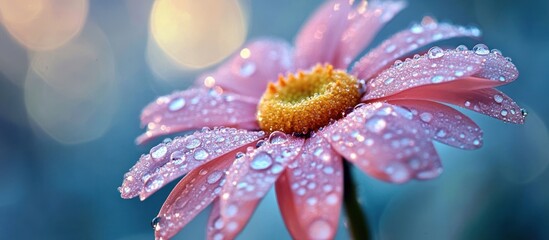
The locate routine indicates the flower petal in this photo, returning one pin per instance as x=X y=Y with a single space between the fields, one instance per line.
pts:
x=251 y=176
x=197 y=108
x=190 y=196
x=444 y=123
x=384 y=141
x=453 y=66
x=249 y=71
x=320 y=36
x=487 y=101
x=405 y=42
x=215 y=222
x=171 y=160
x=309 y=195
x=366 y=22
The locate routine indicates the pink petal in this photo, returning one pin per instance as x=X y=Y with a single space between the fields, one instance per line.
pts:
x=384 y=141
x=251 y=176
x=171 y=160
x=190 y=196
x=320 y=36
x=366 y=22
x=249 y=74
x=196 y=108
x=310 y=194
x=487 y=101
x=405 y=42
x=444 y=123
x=215 y=223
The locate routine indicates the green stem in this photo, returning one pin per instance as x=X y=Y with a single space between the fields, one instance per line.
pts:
x=357 y=221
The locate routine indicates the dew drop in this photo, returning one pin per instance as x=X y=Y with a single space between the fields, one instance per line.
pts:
x=193 y=143
x=496 y=51
x=437 y=79
x=155 y=221
x=278 y=137
x=214 y=177
x=461 y=48
x=261 y=161
x=426 y=117
x=416 y=28
x=398 y=173
x=398 y=63
x=435 y=52
x=320 y=229
x=523 y=112
x=176 y=104
x=498 y=98
x=388 y=81
x=458 y=73
x=200 y=154
x=504 y=112
x=158 y=151
x=332 y=199
x=467 y=103
x=177 y=155
x=231 y=210
x=476 y=142
x=277 y=168
x=481 y=49
x=390 y=48
x=441 y=133
x=247 y=69
x=376 y=125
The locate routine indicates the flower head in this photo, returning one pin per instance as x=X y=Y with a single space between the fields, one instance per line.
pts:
x=295 y=133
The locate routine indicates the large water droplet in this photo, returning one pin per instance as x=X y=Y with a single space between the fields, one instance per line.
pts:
x=416 y=28
x=261 y=161
x=155 y=221
x=200 y=154
x=435 y=52
x=158 y=151
x=214 y=177
x=278 y=137
x=320 y=229
x=481 y=49
x=498 y=98
x=247 y=69
x=426 y=117
x=461 y=48
x=376 y=125
x=193 y=143
x=176 y=104
x=504 y=112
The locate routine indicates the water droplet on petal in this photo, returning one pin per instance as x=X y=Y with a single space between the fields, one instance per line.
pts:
x=214 y=177
x=193 y=143
x=496 y=51
x=437 y=79
x=278 y=137
x=390 y=48
x=154 y=222
x=523 y=112
x=376 y=125
x=481 y=49
x=435 y=52
x=467 y=103
x=426 y=117
x=176 y=104
x=461 y=48
x=504 y=112
x=458 y=73
x=441 y=133
x=498 y=98
x=231 y=210
x=200 y=154
x=416 y=28
x=247 y=69
x=158 y=151
x=261 y=161
x=388 y=81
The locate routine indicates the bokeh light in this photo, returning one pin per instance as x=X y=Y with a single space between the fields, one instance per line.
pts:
x=69 y=91
x=43 y=24
x=197 y=34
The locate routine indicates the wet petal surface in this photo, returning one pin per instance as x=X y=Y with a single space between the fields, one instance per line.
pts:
x=384 y=141
x=444 y=123
x=439 y=67
x=309 y=193
x=190 y=196
x=365 y=23
x=405 y=42
x=194 y=109
x=248 y=72
x=250 y=178
x=173 y=159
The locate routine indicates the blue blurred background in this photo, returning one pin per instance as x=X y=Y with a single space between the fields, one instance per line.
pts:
x=76 y=74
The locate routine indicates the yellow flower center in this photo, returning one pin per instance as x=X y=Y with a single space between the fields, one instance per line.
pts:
x=304 y=102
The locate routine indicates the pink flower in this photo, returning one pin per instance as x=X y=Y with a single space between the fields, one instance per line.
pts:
x=398 y=111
